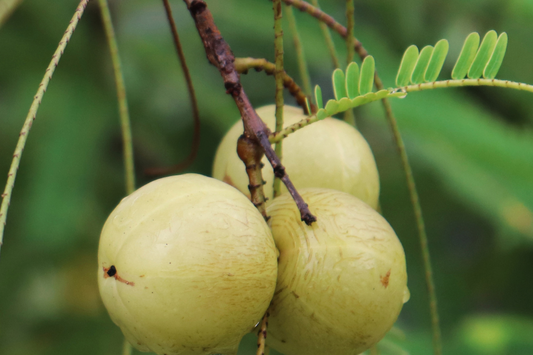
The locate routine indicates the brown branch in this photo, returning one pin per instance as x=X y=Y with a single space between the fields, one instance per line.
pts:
x=219 y=54
x=329 y=21
x=242 y=65
x=194 y=104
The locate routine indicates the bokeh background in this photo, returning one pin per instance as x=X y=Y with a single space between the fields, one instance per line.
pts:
x=471 y=150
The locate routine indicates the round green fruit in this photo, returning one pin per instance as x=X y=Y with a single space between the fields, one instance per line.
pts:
x=186 y=265
x=342 y=281
x=329 y=154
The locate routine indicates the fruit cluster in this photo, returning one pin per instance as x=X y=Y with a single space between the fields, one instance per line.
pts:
x=187 y=265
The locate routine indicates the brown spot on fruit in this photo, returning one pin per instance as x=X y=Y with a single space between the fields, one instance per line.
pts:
x=385 y=279
x=112 y=272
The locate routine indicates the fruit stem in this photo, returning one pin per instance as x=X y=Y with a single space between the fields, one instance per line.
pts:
x=125 y=124
x=23 y=136
x=220 y=55
x=278 y=74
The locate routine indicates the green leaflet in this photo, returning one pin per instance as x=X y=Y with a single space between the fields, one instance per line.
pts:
x=483 y=55
x=339 y=84
x=421 y=65
x=437 y=60
x=331 y=107
x=318 y=97
x=407 y=66
x=366 y=81
x=497 y=57
x=466 y=57
x=352 y=80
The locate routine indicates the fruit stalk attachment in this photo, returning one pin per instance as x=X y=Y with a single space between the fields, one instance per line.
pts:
x=220 y=55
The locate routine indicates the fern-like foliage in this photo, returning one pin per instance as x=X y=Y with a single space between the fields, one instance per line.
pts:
x=474 y=61
x=351 y=89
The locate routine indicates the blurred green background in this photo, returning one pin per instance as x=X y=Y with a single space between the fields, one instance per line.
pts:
x=471 y=150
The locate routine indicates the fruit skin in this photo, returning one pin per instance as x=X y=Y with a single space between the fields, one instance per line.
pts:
x=200 y=262
x=341 y=282
x=328 y=154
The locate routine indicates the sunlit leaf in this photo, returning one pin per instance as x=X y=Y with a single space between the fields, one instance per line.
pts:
x=331 y=107
x=421 y=65
x=468 y=53
x=318 y=97
x=352 y=80
x=407 y=66
x=339 y=84
x=366 y=81
x=437 y=60
x=483 y=55
x=497 y=57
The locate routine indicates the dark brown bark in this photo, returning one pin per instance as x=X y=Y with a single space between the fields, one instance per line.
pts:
x=220 y=55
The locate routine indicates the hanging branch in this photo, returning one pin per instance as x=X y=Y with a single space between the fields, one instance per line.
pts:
x=328 y=38
x=127 y=145
x=219 y=54
x=413 y=193
x=302 y=64
x=192 y=97
x=23 y=136
x=242 y=65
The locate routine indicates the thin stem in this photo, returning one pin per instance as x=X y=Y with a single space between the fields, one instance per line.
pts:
x=242 y=65
x=361 y=51
x=127 y=141
x=262 y=334
x=350 y=24
x=329 y=40
x=300 y=55
x=469 y=82
x=6 y=9
x=23 y=136
x=278 y=74
x=220 y=55
x=349 y=115
x=126 y=348
x=192 y=97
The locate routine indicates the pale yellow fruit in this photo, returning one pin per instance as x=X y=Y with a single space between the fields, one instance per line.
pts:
x=341 y=282
x=186 y=265
x=329 y=154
